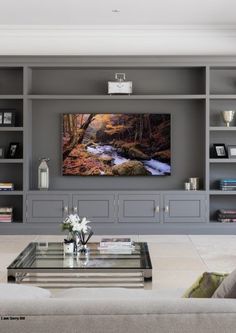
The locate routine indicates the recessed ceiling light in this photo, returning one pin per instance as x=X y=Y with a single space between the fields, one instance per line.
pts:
x=115 y=10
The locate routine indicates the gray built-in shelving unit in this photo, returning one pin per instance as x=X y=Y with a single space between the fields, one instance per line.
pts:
x=194 y=90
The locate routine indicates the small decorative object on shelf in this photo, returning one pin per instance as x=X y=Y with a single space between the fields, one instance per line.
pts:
x=120 y=86
x=187 y=186
x=219 y=150
x=2 y=152
x=228 y=116
x=43 y=174
x=232 y=151
x=79 y=232
x=7 y=118
x=193 y=184
x=13 y=150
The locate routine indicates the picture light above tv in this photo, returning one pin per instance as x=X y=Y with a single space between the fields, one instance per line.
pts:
x=111 y=144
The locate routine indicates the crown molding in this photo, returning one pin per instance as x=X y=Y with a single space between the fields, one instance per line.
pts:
x=118 y=40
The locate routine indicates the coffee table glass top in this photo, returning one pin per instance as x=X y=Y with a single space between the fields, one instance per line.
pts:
x=51 y=256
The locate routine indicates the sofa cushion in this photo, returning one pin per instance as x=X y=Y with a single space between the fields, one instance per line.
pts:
x=16 y=291
x=205 y=285
x=227 y=289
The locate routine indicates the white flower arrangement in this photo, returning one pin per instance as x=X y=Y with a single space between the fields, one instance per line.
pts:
x=75 y=225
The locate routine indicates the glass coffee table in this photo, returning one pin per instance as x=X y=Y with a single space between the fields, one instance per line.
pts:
x=44 y=264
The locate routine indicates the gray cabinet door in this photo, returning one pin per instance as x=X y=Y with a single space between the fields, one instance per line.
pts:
x=184 y=208
x=139 y=208
x=47 y=208
x=96 y=207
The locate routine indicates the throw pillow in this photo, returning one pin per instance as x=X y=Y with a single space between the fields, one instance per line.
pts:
x=227 y=289
x=17 y=291
x=205 y=285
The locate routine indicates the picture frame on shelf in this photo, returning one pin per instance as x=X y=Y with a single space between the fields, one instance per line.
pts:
x=13 y=150
x=8 y=118
x=232 y=151
x=219 y=150
x=2 y=152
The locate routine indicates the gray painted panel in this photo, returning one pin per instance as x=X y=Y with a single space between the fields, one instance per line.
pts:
x=139 y=208
x=179 y=208
x=185 y=208
x=47 y=208
x=98 y=208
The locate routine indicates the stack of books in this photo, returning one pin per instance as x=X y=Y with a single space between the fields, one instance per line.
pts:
x=228 y=184
x=6 y=186
x=226 y=215
x=6 y=214
x=120 y=245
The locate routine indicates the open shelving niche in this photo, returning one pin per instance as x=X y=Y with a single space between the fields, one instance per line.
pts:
x=11 y=170
x=222 y=97
x=189 y=92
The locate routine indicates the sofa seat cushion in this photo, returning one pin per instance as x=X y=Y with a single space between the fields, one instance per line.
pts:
x=205 y=285
x=17 y=291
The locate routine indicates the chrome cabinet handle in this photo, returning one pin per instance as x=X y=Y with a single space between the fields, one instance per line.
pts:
x=166 y=209
x=66 y=209
x=157 y=209
x=75 y=210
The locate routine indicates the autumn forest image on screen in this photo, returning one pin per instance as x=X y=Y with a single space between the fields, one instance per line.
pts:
x=116 y=144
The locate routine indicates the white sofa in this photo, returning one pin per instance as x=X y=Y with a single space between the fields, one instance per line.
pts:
x=116 y=311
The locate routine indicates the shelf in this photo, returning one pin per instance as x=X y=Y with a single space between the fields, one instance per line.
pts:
x=220 y=192
x=222 y=160
x=11 y=129
x=11 y=160
x=11 y=192
x=222 y=128
x=114 y=97
x=11 y=96
x=222 y=96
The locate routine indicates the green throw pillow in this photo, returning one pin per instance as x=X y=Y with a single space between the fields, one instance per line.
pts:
x=205 y=285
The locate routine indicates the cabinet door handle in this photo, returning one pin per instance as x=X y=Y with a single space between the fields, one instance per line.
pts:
x=166 y=209
x=66 y=209
x=75 y=210
x=157 y=209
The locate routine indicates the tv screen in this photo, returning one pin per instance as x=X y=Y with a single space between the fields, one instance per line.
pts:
x=116 y=144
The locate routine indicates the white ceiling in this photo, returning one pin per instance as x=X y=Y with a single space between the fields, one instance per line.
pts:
x=147 y=27
x=132 y=12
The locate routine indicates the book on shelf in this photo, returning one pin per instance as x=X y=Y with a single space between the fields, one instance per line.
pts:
x=6 y=186
x=6 y=214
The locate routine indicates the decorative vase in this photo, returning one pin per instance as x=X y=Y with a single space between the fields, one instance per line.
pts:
x=84 y=237
x=43 y=174
x=68 y=247
x=228 y=117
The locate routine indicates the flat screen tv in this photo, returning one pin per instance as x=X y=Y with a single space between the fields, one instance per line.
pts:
x=110 y=144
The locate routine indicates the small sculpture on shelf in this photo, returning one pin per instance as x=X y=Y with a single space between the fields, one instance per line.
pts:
x=78 y=232
x=228 y=116
x=43 y=174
